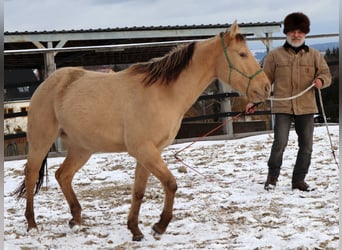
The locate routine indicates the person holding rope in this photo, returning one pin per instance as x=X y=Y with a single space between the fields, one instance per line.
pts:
x=291 y=69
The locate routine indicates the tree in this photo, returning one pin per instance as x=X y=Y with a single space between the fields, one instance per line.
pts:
x=330 y=95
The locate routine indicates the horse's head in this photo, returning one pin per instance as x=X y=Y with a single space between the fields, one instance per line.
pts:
x=239 y=68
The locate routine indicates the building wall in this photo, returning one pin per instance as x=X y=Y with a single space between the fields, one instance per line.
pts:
x=17 y=124
x=16 y=144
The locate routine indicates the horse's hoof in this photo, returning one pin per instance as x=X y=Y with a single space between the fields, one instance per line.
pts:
x=156 y=235
x=75 y=228
x=138 y=237
x=32 y=227
x=32 y=230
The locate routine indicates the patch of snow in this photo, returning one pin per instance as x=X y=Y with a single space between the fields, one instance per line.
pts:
x=224 y=207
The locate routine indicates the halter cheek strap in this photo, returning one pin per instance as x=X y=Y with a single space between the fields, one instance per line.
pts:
x=231 y=67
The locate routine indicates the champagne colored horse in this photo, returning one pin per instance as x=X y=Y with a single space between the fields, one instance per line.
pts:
x=138 y=110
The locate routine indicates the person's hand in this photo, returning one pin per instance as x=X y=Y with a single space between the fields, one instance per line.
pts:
x=250 y=108
x=318 y=83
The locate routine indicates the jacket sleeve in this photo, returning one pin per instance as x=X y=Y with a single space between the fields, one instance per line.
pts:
x=322 y=70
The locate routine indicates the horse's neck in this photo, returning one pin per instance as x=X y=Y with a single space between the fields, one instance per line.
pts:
x=199 y=74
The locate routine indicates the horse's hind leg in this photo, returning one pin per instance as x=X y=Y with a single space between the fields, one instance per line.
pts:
x=75 y=159
x=33 y=165
x=141 y=177
x=40 y=137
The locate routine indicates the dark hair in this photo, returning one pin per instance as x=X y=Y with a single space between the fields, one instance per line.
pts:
x=167 y=68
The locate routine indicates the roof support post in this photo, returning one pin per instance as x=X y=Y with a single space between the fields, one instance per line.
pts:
x=49 y=61
x=226 y=107
x=50 y=67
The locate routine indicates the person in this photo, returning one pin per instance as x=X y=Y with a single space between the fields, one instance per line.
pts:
x=292 y=68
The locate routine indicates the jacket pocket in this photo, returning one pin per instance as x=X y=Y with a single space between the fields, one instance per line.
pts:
x=283 y=70
x=307 y=72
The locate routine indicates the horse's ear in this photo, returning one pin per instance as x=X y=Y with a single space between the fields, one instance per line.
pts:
x=233 y=30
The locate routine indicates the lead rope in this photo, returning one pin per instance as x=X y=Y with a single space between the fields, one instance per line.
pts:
x=323 y=113
x=205 y=135
x=243 y=112
x=291 y=97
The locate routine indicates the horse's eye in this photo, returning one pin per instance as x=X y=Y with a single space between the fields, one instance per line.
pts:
x=243 y=54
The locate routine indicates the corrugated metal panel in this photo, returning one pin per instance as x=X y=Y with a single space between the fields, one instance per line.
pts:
x=146 y=28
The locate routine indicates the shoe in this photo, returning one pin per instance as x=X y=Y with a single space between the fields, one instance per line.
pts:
x=302 y=186
x=270 y=182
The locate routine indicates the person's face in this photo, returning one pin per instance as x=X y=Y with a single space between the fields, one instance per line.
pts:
x=295 y=37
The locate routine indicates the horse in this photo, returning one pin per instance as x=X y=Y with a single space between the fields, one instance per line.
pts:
x=137 y=110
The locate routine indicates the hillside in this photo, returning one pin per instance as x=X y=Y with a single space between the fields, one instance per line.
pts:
x=320 y=46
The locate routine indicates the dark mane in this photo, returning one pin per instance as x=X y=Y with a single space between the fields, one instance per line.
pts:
x=166 y=68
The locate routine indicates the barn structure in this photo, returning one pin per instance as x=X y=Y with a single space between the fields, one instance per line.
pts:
x=118 y=48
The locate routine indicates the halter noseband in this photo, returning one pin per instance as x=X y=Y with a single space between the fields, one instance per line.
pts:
x=231 y=67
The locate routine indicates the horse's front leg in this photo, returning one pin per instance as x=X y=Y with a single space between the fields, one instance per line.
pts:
x=150 y=158
x=170 y=188
x=141 y=177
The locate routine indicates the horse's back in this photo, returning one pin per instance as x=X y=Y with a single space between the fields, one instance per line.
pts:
x=107 y=111
x=71 y=83
x=57 y=81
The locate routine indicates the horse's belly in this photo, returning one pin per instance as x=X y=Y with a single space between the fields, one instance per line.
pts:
x=98 y=139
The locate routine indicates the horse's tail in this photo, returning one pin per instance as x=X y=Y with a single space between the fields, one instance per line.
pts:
x=21 y=190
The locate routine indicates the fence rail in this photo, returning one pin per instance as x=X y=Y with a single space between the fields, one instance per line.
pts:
x=115 y=47
x=15 y=114
x=222 y=115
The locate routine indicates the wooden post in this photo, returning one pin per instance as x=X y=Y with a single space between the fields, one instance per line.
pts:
x=226 y=107
x=49 y=61
x=50 y=67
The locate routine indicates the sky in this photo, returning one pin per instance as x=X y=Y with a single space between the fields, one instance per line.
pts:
x=46 y=15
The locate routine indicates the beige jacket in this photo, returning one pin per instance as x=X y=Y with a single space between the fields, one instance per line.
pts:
x=291 y=73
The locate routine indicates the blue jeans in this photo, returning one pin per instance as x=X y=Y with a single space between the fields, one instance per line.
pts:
x=304 y=126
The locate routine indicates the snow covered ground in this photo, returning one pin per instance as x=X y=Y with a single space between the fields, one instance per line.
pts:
x=224 y=207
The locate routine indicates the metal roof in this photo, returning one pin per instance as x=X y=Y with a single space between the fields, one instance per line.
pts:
x=145 y=28
x=112 y=36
